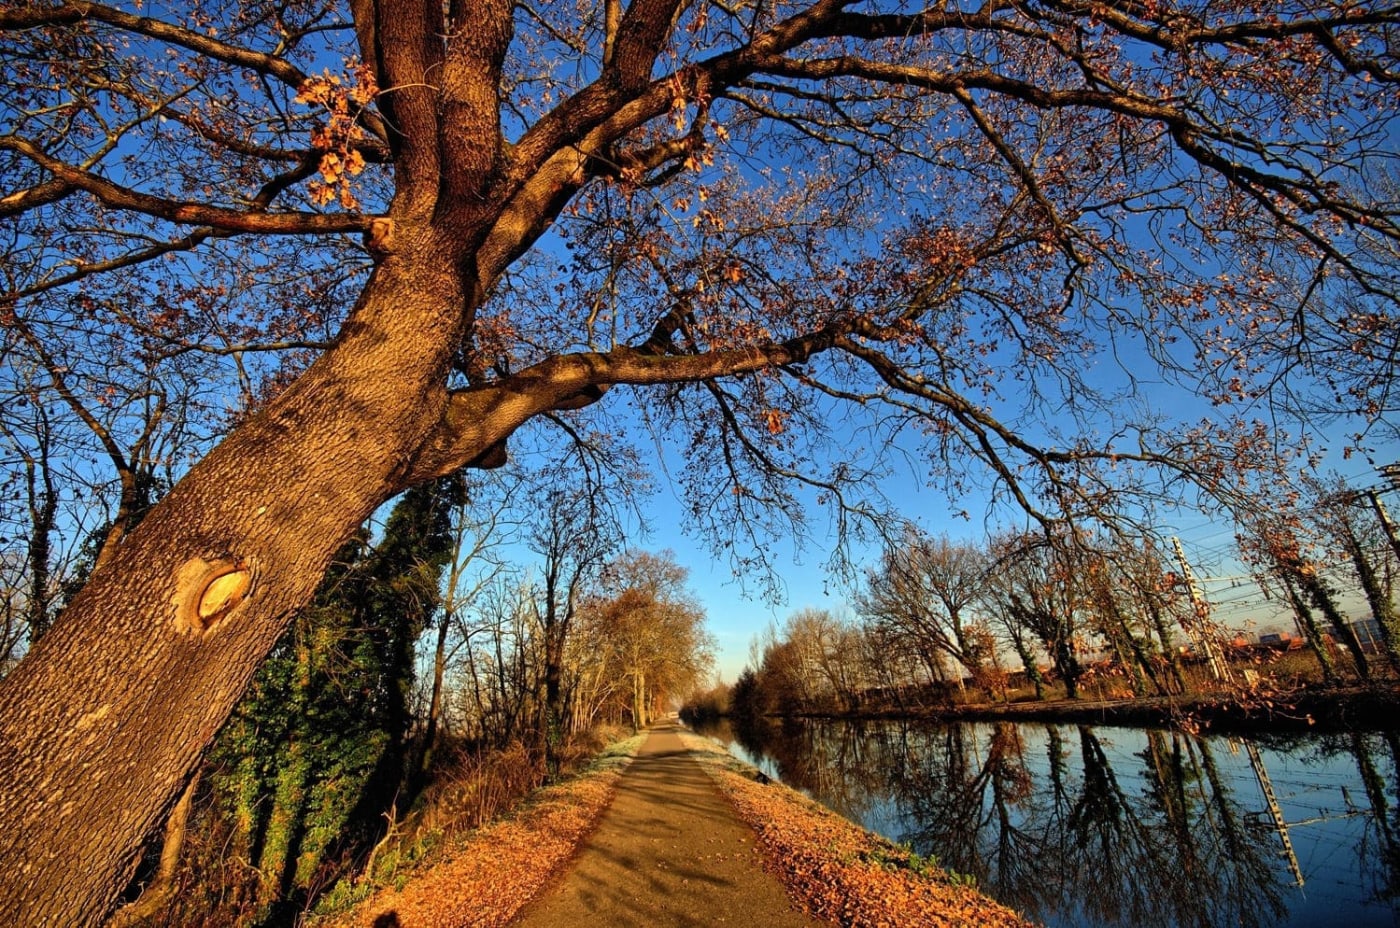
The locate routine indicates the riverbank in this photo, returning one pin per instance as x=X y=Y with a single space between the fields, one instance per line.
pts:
x=1303 y=709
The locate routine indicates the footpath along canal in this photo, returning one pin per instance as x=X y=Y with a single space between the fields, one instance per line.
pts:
x=688 y=837
x=668 y=851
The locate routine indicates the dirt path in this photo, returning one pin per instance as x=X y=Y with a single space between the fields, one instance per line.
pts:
x=670 y=851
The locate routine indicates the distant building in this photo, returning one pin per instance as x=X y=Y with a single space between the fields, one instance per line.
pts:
x=1280 y=641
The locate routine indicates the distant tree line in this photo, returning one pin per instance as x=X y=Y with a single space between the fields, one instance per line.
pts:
x=1049 y=613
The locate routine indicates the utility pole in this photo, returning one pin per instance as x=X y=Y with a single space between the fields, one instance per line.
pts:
x=1386 y=523
x=1201 y=631
x=1256 y=760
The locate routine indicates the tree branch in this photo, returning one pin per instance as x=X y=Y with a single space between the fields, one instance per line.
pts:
x=34 y=16
x=184 y=212
x=640 y=37
x=484 y=416
x=50 y=191
x=402 y=42
x=471 y=143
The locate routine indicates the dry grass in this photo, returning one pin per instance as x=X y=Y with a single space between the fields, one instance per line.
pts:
x=484 y=877
x=474 y=788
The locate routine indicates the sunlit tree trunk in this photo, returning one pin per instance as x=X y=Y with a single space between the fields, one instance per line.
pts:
x=639 y=699
x=265 y=512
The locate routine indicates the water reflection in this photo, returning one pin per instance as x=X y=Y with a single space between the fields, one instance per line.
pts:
x=1114 y=826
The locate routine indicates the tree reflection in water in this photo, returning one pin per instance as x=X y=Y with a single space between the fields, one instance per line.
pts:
x=1379 y=842
x=1116 y=826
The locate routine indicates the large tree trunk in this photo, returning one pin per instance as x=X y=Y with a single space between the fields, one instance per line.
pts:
x=102 y=724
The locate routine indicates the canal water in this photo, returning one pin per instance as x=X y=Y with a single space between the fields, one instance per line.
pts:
x=1097 y=826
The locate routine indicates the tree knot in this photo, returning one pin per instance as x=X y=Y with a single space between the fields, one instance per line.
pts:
x=207 y=591
x=380 y=238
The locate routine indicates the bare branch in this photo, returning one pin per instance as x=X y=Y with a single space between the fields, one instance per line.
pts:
x=184 y=212
x=33 y=16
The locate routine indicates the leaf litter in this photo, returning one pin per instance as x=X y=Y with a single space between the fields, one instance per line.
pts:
x=487 y=877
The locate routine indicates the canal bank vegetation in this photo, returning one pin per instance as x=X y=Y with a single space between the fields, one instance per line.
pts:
x=1065 y=623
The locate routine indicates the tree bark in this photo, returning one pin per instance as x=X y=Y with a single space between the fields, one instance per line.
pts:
x=101 y=725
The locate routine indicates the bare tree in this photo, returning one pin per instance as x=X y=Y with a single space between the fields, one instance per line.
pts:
x=470 y=571
x=928 y=589
x=500 y=672
x=1035 y=588
x=573 y=537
